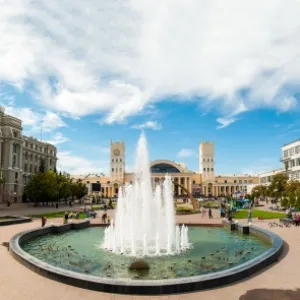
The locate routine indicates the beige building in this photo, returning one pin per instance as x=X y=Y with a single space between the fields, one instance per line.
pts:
x=20 y=157
x=204 y=182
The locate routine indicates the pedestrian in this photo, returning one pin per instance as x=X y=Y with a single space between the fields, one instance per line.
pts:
x=44 y=221
x=66 y=216
x=104 y=217
x=249 y=216
x=210 y=213
x=201 y=211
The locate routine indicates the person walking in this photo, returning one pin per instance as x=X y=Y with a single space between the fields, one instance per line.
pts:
x=44 y=221
x=201 y=211
x=210 y=213
x=66 y=216
x=249 y=216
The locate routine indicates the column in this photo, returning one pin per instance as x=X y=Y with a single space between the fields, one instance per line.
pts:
x=20 y=157
x=10 y=157
x=1 y=154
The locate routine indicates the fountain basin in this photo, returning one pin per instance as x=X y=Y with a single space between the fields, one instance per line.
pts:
x=25 y=247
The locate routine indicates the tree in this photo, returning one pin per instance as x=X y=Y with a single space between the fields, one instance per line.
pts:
x=63 y=186
x=292 y=199
x=297 y=204
x=259 y=190
x=42 y=187
x=278 y=185
x=78 y=189
x=42 y=167
x=284 y=201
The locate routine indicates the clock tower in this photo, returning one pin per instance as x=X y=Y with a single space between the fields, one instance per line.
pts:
x=117 y=161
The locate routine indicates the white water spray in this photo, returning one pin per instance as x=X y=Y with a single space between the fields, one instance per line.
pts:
x=145 y=220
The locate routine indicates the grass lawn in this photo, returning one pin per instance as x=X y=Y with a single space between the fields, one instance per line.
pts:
x=243 y=214
x=57 y=214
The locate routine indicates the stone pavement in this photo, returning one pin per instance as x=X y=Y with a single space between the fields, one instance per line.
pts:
x=17 y=282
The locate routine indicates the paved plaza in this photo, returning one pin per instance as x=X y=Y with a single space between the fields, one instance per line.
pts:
x=18 y=282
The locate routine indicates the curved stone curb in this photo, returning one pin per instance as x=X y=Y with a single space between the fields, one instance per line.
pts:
x=143 y=287
x=15 y=220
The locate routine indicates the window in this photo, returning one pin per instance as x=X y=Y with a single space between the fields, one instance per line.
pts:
x=204 y=169
x=26 y=144
x=14 y=161
x=120 y=159
x=245 y=181
x=50 y=162
x=112 y=169
x=250 y=181
x=15 y=148
x=116 y=160
x=204 y=159
x=26 y=155
x=35 y=169
x=240 y=181
x=212 y=160
x=234 y=181
x=212 y=169
x=112 y=160
x=194 y=182
x=120 y=169
x=87 y=182
x=31 y=146
x=225 y=181
x=15 y=188
x=25 y=168
x=16 y=175
x=30 y=169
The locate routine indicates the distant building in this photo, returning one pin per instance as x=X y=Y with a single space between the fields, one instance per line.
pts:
x=204 y=182
x=20 y=157
x=290 y=158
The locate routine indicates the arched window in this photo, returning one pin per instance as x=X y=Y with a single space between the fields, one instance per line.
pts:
x=164 y=168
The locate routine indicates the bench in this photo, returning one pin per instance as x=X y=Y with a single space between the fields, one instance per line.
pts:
x=287 y=221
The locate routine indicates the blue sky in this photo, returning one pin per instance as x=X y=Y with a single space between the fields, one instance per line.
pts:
x=185 y=72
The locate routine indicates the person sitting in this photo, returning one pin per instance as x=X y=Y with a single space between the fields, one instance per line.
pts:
x=71 y=215
x=77 y=215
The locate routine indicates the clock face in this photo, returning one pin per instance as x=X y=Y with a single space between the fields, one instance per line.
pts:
x=117 y=152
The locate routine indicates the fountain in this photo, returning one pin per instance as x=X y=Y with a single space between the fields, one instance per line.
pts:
x=155 y=259
x=145 y=220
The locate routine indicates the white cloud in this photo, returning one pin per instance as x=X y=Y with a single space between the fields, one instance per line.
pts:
x=148 y=125
x=57 y=139
x=48 y=121
x=51 y=121
x=229 y=53
x=186 y=153
x=78 y=165
x=226 y=121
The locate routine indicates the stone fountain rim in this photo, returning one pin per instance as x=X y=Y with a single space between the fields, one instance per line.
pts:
x=143 y=287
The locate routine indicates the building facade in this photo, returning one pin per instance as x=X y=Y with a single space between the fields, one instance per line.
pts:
x=20 y=157
x=201 y=183
x=290 y=158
